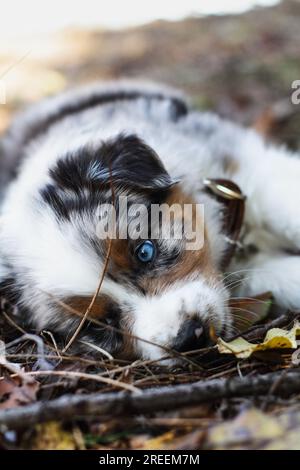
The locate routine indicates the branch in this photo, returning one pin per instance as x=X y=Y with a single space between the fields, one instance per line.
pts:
x=259 y=331
x=70 y=407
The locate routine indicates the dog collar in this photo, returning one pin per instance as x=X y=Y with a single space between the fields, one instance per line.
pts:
x=230 y=195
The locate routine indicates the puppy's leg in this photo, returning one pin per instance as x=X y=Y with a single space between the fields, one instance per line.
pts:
x=274 y=272
x=268 y=175
x=270 y=178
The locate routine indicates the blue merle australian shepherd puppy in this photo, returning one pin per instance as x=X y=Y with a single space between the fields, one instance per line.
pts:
x=66 y=158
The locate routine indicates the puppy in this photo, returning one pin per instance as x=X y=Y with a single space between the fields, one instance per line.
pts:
x=68 y=159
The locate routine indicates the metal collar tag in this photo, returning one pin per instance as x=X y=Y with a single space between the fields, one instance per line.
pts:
x=230 y=195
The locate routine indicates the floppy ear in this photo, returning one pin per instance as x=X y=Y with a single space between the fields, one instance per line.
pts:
x=133 y=163
x=125 y=161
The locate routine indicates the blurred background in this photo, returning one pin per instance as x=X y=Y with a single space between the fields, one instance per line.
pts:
x=237 y=57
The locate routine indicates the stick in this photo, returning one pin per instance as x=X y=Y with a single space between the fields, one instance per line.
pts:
x=260 y=331
x=78 y=375
x=96 y=294
x=70 y=407
x=91 y=305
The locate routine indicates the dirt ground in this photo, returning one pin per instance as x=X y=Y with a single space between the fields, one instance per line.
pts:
x=241 y=66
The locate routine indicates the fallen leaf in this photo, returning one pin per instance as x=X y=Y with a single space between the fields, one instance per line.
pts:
x=248 y=428
x=253 y=429
x=51 y=436
x=160 y=442
x=276 y=338
x=191 y=441
x=14 y=394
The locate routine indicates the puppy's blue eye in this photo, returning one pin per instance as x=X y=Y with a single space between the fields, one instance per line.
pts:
x=146 y=251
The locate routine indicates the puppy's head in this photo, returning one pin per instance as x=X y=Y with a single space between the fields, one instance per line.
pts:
x=162 y=288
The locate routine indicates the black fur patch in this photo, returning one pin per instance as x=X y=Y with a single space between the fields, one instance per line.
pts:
x=79 y=179
x=9 y=291
x=10 y=160
x=179 y=108
x=106 y=337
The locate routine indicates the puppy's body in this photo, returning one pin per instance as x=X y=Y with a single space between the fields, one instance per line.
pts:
x=139 y=139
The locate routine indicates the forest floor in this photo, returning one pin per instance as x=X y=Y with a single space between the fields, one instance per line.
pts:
x=243 y=67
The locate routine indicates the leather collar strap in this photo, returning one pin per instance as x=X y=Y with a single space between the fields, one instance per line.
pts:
x=230 y=195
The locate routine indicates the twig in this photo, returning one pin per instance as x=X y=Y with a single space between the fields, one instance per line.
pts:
x=273 y=387
x=53 y=356
x=90 y=307
x=105 y=266
x=13 y=323
x=50 y=334
x=70 y=407
x=258 y=331
x=42 y=362
x=84 y=376
x=179 y=422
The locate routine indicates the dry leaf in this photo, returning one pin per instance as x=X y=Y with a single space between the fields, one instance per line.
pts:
x=253 y=429
x=51 y=436
x=169 y=440
x=248 y=428
x=14 y=394
x=276 y=338
x=160 y=442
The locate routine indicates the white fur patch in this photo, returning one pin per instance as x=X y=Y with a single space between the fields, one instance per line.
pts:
x=159 y=318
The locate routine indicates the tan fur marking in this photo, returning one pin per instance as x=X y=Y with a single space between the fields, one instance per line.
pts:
x=80 y=304
x=119 y=255
x=190 y=262
x=99 y=311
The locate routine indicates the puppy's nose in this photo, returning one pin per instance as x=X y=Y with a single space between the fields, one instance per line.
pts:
x=192 y=335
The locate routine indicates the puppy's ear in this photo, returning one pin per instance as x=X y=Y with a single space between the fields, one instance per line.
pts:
x=135 y=164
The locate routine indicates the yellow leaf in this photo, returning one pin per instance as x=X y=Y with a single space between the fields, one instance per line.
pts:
x=159 y=442
x=51 y=436
x=249 y=427
x=276 y=338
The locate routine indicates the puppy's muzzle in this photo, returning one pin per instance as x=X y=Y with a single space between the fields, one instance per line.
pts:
x=191 y=336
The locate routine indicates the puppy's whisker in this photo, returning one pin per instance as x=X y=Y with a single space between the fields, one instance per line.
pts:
x=234 y=330
x=260 y=301
x=242 y=321
x=235 y=309
x=256 y=300
x=241 y=271
x=234 y=284
x=237 y=282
